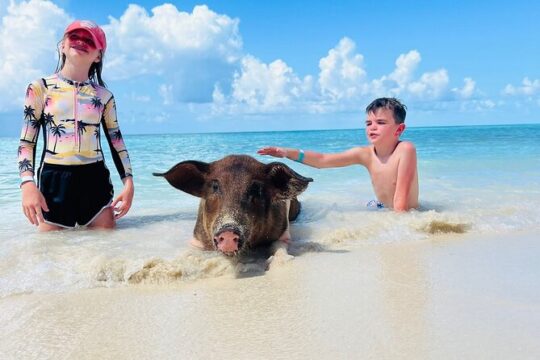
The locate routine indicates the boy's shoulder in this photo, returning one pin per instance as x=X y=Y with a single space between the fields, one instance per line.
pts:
x=361 y=154
x=404 y=150
x=359 y=150
x=405 y=147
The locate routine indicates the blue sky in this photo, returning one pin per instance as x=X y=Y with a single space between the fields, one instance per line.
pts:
x=187 y=66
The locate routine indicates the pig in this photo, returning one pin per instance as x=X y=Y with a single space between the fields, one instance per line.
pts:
x=244 y=202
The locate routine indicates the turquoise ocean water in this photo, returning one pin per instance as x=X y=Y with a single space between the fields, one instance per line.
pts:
x=483 y=180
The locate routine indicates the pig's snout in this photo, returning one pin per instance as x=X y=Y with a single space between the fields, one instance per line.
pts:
x=228 y=240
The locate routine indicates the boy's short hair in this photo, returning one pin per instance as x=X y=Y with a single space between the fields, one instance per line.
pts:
x=399 y=110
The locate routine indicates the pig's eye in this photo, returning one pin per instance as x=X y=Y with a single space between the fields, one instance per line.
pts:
x=255 y=191
x=214 y=186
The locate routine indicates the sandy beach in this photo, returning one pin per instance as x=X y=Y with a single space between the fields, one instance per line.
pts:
x=449 y=297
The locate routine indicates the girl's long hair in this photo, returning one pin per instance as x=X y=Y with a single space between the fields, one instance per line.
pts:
x=94 y=73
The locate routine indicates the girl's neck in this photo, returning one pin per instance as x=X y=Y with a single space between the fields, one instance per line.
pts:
x=75 y=73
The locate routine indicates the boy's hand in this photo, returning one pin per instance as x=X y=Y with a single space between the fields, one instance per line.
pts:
x=33 y=202
x=273 y=151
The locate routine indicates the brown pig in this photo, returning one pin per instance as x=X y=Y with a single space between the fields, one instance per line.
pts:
x=244 y=203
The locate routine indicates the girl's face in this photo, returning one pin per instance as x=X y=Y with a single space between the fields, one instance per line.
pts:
x=80 y=44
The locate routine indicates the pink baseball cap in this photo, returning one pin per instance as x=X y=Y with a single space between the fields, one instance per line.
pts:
x=97 y=33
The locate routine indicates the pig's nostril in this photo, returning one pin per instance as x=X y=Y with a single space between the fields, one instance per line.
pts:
x=220 y=239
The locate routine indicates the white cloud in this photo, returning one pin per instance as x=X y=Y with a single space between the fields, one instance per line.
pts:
x=342 y=84
x=193 y=50
x=528 y=87
x=267 y=86
x=406 y=65
x=341 y=72
x=477 y=105
x=260 y=87
x=29 y=33
x=431 y=85
x=467 y=90
x=402 y=83
x=197 y=57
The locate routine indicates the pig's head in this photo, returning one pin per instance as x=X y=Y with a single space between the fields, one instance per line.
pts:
x=242 y=200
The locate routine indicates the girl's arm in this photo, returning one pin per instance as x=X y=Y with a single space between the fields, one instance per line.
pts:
x=115 y=139
x=33 y=108
x=122 y=203
x=33 y=202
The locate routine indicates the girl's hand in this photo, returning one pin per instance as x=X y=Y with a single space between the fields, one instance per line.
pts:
x=33 y=202
x=273 y=151
x=125 y=199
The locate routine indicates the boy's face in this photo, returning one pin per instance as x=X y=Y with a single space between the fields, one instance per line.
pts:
x=381 y=127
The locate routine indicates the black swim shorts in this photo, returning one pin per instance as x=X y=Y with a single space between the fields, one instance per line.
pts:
x=75 y=194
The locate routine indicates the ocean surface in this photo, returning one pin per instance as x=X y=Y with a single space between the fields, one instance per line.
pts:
x=474 y=179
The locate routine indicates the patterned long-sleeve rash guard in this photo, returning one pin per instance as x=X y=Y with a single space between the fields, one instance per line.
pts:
x=70 y=114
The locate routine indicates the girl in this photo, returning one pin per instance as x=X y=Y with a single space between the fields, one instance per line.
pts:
x=71 y=106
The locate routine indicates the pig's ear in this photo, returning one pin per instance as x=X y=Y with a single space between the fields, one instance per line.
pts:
x=188 y=176
x=286 y=181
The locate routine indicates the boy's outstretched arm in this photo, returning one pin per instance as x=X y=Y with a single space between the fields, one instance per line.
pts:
x=315 y=159
x=405 y=176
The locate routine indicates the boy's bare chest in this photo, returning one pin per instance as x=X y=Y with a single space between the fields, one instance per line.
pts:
x=384 y=180
x=383 y=168
x=383 y=175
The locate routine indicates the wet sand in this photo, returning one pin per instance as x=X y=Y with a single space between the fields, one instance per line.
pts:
x=452 y=297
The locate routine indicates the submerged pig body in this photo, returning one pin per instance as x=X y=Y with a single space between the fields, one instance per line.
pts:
x=244 y=203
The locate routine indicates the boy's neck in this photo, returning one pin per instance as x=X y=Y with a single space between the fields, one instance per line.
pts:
x=75 y=73
x=386 y=150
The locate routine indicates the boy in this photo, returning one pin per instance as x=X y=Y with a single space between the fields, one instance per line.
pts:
x=391 y=163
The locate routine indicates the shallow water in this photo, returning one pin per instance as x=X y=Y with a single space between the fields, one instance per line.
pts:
x=483 y=180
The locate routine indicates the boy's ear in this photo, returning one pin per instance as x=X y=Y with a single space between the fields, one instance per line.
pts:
x=400 y=129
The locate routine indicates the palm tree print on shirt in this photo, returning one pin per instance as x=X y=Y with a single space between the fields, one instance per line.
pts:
x=29 y=114
x=117 y=135
x=96 y=135
x=114 y=108
x=96 y=102
x=48 y=119
x=25 y=165
x=81 y=128
x=57 y=131
x=35 y=125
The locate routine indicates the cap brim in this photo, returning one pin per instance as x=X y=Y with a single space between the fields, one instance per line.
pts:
x=96 y=41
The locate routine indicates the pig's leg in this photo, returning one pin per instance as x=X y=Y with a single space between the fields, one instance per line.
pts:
x=286 y=236
x=280 y=255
